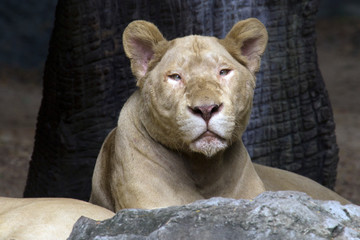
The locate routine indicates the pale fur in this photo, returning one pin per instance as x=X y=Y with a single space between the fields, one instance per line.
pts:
x=157 y=156
x=44 y=218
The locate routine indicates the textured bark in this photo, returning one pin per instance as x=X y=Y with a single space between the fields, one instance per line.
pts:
x=87 y=79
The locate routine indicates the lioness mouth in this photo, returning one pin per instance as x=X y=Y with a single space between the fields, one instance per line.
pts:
x=209 y=135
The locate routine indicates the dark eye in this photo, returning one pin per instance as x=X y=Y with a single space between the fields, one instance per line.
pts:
x=175 y=77
x=224 y=72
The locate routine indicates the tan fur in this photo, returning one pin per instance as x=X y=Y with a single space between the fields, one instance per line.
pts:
x=163 y=151
x=44 y=218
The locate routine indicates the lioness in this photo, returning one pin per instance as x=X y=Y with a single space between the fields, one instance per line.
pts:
x=44 y=218
x=178 y=137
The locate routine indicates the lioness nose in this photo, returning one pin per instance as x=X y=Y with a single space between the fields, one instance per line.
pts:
x=206 y=111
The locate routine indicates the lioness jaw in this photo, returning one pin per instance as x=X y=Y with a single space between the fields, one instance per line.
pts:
x=179 y=135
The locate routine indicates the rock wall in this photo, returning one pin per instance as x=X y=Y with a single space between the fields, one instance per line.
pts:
x=25 y=27
x=272 y=215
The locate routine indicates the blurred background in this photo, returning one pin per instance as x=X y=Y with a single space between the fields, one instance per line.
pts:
x=25 y=28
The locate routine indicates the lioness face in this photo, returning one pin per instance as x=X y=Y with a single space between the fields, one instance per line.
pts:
x=197 y=91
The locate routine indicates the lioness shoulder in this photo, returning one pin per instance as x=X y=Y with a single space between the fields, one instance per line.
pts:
x=178 y=137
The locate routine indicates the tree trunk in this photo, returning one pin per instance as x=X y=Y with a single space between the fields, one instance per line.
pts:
x=87 y=80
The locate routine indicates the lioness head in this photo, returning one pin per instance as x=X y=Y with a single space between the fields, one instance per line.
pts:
x=196 y=91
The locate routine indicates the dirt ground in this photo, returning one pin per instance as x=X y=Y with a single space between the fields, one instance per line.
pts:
x=20 y=96
x=339 y=59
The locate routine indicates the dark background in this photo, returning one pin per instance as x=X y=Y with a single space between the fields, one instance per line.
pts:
x=25 y=28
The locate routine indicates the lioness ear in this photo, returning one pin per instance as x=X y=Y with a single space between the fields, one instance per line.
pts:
x=139 y=40
x=247 y=41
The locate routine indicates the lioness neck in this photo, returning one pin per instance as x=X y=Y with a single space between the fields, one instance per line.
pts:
x=228 y=173
x=226 y=168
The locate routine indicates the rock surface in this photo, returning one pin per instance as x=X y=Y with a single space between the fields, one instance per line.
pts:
x=272 y=215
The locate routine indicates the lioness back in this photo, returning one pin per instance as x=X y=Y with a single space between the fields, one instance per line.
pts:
x=44 y=218
x=280 y=180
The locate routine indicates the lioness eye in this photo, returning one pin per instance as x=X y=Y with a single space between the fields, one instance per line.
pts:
x=224 y=72
x=175 y=77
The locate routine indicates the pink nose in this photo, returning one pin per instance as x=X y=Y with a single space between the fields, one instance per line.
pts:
x=206 y=111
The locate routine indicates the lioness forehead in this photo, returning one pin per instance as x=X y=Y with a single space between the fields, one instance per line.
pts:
x=198 y=44
x=194 y=50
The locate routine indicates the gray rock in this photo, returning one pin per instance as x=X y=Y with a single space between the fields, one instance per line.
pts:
x=272 y=215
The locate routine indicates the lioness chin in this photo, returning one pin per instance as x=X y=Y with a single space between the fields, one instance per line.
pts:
x=179 y=135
